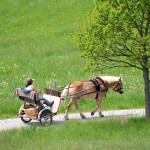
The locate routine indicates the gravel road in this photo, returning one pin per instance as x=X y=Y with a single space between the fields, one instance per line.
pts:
x=8 y=124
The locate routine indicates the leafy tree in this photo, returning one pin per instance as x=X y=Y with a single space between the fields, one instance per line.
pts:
x=117 y=34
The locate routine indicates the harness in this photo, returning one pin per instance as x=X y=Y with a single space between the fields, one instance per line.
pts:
x=97 y=85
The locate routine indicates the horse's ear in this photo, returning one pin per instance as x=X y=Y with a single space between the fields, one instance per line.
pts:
x=120 y=77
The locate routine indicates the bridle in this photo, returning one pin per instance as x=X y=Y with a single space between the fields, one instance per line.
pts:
x=120 y=90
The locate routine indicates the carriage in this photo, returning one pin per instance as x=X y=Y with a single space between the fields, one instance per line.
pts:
x=33 y=110
x=92 y=89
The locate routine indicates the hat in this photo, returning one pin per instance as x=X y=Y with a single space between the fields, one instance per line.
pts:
x=29 y=79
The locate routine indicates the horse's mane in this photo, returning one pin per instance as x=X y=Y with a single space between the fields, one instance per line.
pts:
x=110 y=79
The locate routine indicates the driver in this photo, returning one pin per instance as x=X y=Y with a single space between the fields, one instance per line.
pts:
x=30 y=87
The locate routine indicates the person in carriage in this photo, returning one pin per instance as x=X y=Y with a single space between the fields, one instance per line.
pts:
x=30 y=87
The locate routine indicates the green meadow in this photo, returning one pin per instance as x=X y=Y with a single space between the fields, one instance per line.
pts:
x=112 y=134
x=36 y=40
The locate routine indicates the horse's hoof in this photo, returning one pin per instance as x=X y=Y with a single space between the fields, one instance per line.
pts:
x=92 y=113
x=66 y=118
x=102 y=116
x=83 y=117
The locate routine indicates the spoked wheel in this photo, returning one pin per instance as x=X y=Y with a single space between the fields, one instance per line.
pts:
x=46 y=117
x=25 y=119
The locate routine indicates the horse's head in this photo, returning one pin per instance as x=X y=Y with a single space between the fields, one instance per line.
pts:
x=119 y=87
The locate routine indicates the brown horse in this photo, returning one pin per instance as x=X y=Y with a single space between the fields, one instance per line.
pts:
x=93 y=89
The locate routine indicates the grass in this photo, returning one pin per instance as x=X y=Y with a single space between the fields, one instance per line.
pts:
x=36 y=41
x=123 y=133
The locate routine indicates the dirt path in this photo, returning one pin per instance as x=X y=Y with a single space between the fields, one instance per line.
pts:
x=8 y=124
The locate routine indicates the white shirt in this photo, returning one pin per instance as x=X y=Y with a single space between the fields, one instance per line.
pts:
x=29 y=88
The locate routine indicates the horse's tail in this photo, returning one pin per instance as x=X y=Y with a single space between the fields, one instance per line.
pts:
x=65 y=93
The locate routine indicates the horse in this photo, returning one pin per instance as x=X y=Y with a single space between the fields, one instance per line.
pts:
x=92 y=89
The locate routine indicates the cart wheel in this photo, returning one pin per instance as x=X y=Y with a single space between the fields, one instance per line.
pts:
x=25 y=119
x=46 y=117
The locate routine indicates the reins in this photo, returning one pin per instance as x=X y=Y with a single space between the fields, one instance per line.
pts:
x=101 y=90
x=64 y=87
x=72 y=95
x=83 y=92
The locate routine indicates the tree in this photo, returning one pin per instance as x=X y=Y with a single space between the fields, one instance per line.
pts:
x=117 y=34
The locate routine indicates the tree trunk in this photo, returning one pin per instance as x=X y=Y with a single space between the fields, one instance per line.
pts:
x=147 y=93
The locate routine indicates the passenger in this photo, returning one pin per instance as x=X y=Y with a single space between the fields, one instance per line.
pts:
x=30 y=87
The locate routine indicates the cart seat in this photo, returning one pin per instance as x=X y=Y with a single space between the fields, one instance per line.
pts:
x=31 y=97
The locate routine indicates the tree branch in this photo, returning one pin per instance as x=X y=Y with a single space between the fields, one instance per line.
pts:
x=117 y=3
x=117 y=67
x=142 y=22
x=135 y=23
x=122 y=61
x=147 y=24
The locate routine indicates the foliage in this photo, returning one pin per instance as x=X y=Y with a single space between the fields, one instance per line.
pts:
x=115 y=34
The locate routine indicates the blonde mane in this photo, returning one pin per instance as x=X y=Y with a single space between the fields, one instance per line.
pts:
x=110 y=79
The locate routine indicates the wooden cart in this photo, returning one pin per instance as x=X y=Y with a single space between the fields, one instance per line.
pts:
x=45 y=114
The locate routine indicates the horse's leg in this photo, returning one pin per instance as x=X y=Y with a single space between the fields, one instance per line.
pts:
x=97 y=101
x=100 y=109
x=100 y=112
x=77 y=107
x=69 y=105
x=99 y=104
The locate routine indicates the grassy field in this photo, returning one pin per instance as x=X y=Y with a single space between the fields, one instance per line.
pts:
x=113 y=134
x=36 y=41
